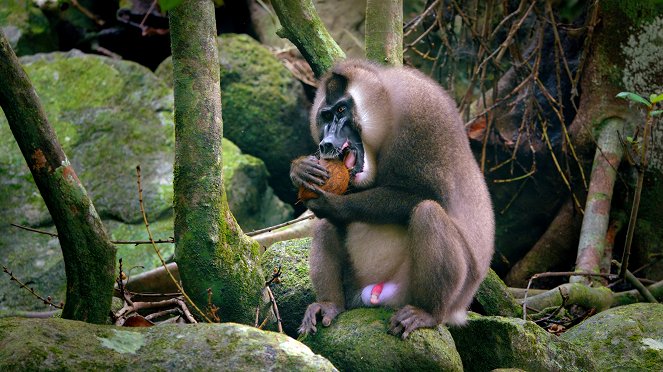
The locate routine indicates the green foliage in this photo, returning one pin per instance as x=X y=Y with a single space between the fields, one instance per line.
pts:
x=634 y=98
x=167 y=5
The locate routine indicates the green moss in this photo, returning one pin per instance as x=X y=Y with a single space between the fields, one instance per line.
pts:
x=358 y=340
x=495 y=298
x=294 y=292
x=56 y=344
x=26 y=27
x=621 y=337
x=515 y=343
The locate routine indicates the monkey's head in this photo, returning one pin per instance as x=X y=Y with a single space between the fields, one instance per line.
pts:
x=347 y=119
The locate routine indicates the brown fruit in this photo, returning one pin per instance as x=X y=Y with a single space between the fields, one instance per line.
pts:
x=339 y=178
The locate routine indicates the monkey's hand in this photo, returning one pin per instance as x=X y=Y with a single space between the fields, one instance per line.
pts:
x=328 y=311
x=308 y=172
x=328 y=205
x=409 y=318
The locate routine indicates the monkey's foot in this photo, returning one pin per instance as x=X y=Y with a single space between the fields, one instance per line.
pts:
x=409 y=318
x=328 y=311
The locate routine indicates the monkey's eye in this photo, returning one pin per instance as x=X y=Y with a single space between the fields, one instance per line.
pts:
x=340 y=109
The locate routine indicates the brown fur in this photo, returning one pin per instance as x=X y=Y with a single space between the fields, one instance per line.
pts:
x=421 y=216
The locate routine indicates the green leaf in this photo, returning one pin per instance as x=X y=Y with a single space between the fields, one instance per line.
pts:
x=167 y=5
x=633 y=97
x=656 y=113
x=629 y=139
x=654 y=98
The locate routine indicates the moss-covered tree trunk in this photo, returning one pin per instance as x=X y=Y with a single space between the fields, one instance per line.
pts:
x=304 y=28
x=211 y=249
x=89 y=257
x=384 y=31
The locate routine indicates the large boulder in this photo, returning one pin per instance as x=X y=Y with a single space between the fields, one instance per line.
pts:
x=490 y=342
x=58 y=344
x=294 y=291
x=109 y=116
x=27 y=28
x=357 y=340
x=265 y=111
x=625 y=338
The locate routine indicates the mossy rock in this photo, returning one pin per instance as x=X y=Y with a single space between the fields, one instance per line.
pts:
x=58 y=344
x=625 y=338
x=27 y=28
x=490 y=342
x=357 y=340
x=294 y=292
x=264 y=107
x=109 y=116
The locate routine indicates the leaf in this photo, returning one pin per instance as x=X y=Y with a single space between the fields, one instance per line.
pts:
x=633 y=97
x=167 y=5
x=656 y=113
x=655 y=99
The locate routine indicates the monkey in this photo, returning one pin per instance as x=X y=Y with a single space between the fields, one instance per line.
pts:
x=415 y=230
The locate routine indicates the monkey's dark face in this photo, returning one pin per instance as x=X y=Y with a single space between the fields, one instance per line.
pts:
x=339 y=134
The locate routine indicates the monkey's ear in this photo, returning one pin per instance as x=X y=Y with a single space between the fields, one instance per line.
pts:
x=336 y=87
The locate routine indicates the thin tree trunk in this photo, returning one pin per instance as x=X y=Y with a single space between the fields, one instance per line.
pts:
x=304 y=28
x=384 y=31
x=89 y=257
x=599 y=197
x=211 y=249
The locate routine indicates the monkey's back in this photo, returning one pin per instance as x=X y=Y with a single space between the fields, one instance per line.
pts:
x=433 y=151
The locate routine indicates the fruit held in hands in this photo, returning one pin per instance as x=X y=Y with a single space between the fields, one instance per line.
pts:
x=339 y=177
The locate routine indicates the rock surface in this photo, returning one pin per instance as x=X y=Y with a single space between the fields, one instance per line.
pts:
x=490 y=342
x=109 y=116
x=357 y=340
x=58 y=344
x=625 y=338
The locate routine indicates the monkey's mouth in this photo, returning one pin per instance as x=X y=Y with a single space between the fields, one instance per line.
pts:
x=353 y=157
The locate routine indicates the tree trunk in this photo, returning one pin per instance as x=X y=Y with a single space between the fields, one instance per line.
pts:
x=384 y=31
x=211 y=249
x=89 y=257
x=304 y=28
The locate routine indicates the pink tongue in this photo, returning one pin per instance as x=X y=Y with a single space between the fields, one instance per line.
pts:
x=350 y=160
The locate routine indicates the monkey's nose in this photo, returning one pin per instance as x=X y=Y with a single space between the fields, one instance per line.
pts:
x=326 y=147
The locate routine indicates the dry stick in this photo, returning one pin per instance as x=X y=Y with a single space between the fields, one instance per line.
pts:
x=629 y=277
x=412 y=25
x=275 y=309
x=636 y=198
x=163 y=262
x=134 y=242
x=552 y=274
x=288 y=223
x=47 y=301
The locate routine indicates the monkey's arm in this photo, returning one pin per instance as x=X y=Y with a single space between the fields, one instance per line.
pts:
x=378 y=205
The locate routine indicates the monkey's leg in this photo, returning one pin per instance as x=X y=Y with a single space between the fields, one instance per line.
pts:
x=439 y=269
x=326 y=260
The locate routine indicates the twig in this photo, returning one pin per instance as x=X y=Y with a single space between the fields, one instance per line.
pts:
x=35 y=230
x=163 y=262
x=553 y=274
x=287 y=223
x=638 y=191
x=629 y=277
x=47 y=301
x=565 y=298
x=275 y=308
x=134 y=242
